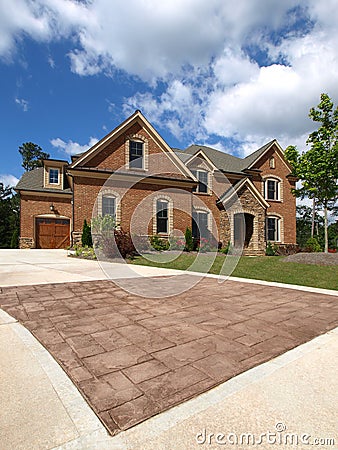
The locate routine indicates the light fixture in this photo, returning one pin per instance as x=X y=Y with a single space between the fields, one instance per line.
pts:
x=51 y=207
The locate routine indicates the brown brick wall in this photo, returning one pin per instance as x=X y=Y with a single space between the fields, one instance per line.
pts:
x=139 y=198
x=33 y=205
x=287 y=207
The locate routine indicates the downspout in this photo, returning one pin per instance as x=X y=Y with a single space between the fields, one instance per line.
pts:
x=72 y=228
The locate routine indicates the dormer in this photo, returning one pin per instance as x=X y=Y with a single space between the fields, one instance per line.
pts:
x=54 y=172
x=202 y=169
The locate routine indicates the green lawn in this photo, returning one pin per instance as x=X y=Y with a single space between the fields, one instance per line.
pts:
x=259 y=268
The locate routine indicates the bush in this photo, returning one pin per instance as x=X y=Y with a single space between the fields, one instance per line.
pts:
x=271 y=250
x=86 y=238
x=312 y=245
x=225 y=250
x=159 y=244
x=189 y=242
x=112 y=242
x=141 y=243
x=177 y=243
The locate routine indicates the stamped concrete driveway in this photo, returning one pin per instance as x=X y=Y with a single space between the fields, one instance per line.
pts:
x=133 y=357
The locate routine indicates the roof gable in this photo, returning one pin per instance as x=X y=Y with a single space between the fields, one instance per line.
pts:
x=136 y=118
x=233 y=190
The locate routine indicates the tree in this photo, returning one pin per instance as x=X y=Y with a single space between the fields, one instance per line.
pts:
x=9 y=215
x=32 y=155
x=317 y=168
x=86 y=235
x=304 y=220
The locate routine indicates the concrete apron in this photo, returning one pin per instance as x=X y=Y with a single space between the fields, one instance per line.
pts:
x=296 y=392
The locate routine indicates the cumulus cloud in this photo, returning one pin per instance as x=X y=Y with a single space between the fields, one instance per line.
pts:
x=8 y=179
x=70 y=147
x=246 y=71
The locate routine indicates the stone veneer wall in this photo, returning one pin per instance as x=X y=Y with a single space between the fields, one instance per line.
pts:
x=26 y=242
x=250 y=205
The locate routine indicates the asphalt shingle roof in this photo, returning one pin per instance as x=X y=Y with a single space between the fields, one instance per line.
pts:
x=33 y=181
x=223 y=161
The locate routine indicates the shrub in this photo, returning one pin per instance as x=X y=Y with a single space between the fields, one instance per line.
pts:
x=312 y=245
x=225 y=249
x=189 y=242
x=112 y=242
x=177 y=243
x=86 y=238
x=141 y=243
x=271 y=250
x=159 y=244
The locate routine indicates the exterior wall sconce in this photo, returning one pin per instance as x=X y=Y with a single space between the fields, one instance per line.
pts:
x=52 y=207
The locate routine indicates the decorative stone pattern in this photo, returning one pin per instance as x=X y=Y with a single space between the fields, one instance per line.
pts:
x=25 y=242
x=250 y=205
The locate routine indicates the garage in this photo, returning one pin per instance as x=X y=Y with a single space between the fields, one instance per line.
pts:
x=52 y=233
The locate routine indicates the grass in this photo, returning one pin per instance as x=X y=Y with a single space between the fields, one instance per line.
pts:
x=259 y=268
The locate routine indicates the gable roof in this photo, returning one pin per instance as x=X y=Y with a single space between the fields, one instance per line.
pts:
x=233 y=190
x=33 y=181
x=137 y=117
x=224 y=161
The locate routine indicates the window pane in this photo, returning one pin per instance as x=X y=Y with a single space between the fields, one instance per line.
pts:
x=272 y=190
x=203 y=181
x=53 y=176
x=200 y=224
x=194 y=172
x=272 y=229
x=162 y=216
x=108 y=206
x=136 y=154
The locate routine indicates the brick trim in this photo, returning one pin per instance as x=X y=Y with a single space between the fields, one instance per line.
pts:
x=168 y=199
x=137 y=137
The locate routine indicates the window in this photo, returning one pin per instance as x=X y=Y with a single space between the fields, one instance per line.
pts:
x=109 y=206
x=53 y=176
x=272 y=164
x=272 y=189
x=272 y=229
x=202 y=177
x=162 y=216
x=135 y=154
x=200 y=227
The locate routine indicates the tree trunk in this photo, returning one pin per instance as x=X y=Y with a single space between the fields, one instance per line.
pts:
x=313 y=217
x=325 y=228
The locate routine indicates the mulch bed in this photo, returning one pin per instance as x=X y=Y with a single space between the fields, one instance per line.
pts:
x=321 y=259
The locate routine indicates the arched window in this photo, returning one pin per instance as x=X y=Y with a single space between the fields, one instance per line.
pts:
x=109 y=205
x=200 y=223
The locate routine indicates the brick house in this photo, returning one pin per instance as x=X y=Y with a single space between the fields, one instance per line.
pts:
x=151 y=188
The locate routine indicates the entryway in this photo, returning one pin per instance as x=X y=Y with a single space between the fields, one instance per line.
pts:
x=243 y=229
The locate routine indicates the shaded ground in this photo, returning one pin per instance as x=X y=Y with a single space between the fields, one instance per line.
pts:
x=133 y=357
x=321 y=259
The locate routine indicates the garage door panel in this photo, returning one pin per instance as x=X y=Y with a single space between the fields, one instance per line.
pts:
x=52 y=233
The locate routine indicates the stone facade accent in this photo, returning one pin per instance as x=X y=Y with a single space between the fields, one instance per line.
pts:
x=25 y=242
x=250 y=205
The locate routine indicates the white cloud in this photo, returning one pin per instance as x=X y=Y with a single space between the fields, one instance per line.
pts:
x=8 y=179
x=22 y=103
x=72 y=148
x=248 y=70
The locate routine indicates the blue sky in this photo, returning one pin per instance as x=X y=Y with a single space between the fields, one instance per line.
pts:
x=232 y=75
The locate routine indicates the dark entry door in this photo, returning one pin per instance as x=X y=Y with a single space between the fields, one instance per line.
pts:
x=52 y=233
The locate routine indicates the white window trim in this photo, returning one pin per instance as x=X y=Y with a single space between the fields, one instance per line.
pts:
x=203 y=209
x=49 y=175
x=209 y=181
x=110 y=193
x=279 y=182
x=169 y=200
x=280 y=224
x=137 y=138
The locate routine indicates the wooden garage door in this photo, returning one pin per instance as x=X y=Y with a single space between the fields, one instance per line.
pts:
x=52 y=233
